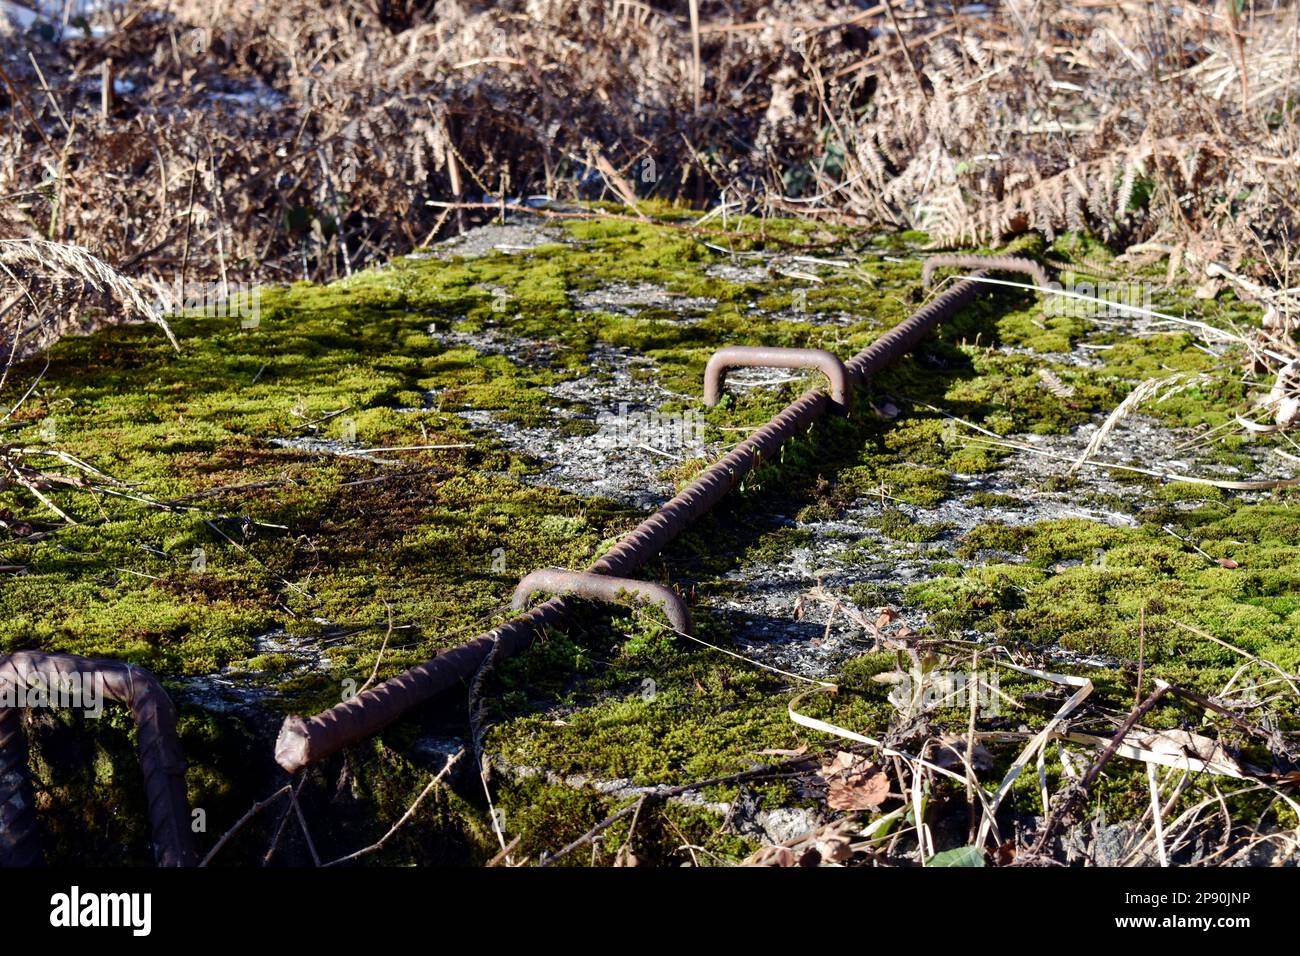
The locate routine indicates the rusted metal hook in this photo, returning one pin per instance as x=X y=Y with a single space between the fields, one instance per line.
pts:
x=155 y=720
x=987 y=263
x=600 y=587
x=752 y=356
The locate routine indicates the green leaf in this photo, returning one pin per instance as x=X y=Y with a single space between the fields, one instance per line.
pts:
x=961 y=856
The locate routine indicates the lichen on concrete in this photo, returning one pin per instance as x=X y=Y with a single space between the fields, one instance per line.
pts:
x=379 y=461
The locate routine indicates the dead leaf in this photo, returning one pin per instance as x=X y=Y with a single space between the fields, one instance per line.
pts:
x=773 y=856
x=853 y=782
x=828 y=844
x=1184 y=743
x=834 y=849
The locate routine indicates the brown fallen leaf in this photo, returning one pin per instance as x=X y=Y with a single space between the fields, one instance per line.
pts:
x=829 y=844
x=853 y=782
x=834 y=848
x=773 y=856
x=1184 y=743
x=19 y=529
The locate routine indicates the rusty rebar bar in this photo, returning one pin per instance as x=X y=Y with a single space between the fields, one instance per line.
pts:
x=602 y=587
x=988 y=264
x=155 y=719
x=750 y=356
x=305 y=741
x=19 y=834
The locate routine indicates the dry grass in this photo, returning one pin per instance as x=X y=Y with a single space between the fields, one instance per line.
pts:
x=918 y=758
x=244 y=141
x=307 y=137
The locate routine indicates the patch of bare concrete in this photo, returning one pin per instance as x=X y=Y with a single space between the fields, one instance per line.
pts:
x=623 y=298
x=607 y=437
x=738 y=271
x=517 y=234
x=766 y=602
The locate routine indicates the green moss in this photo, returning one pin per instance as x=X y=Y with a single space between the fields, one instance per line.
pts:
x=1033 y=330
x=322 y=548
x=1106 y=590
x=897 y=525
x=993 y=500
x=657 y=713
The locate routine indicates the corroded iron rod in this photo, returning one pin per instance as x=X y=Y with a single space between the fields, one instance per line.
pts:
x=19 y=835
x=305 y=741
x=155 y=719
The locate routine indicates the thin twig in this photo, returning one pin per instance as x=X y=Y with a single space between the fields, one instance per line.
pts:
x=410 y=811
x=253 y=811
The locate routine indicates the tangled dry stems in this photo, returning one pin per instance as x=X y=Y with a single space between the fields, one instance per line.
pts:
x=307 y=138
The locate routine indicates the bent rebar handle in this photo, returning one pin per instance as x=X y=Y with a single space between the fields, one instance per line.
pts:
x=600 y=587
x=155 y=720
x=988 y=263
x=748 y=356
